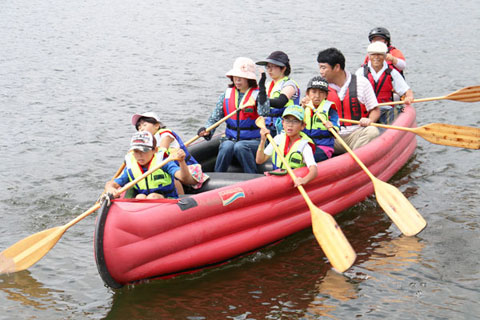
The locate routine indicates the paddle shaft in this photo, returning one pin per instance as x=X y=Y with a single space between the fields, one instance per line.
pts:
x=339 y=139
x=380 y=125
x=415 y=100
x=216 y=124
x=467 y=94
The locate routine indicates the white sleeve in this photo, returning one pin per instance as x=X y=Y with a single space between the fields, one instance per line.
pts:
x=359 y=72
x=399 y=84
x=401 y=64
x=307 y=154
x=365 y=93
x=173 y=144
x=269 y=149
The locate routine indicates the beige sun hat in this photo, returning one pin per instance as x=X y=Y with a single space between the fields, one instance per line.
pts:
x=377 y=47
x=243 y=68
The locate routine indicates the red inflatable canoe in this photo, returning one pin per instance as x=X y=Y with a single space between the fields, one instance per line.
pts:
x=234 y=213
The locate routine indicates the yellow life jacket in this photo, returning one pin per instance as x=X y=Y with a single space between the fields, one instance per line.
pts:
x=294 y=156
x=159 y=181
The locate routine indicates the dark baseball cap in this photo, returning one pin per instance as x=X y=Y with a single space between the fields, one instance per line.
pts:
x=278 y=58
x=318 y=82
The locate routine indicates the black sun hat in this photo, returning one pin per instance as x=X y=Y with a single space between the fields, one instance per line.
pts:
x=278 y=58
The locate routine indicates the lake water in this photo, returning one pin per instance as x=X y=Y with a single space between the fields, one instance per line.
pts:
x=73 y=72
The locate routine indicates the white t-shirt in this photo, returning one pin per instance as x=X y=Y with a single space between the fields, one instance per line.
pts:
x=173 y=144
x=365 y=95
x=307 y=151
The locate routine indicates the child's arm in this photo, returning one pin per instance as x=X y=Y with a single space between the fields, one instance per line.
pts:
x=312 y=174
x=112 y=188
x=261 y=157
x=165 y=141
x=183 y=174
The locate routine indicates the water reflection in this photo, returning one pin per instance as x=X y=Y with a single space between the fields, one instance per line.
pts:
x=393 y=256
x=23 y=288
x=390 y=258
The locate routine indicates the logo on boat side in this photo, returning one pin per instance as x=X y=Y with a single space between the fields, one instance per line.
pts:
x=230 y=196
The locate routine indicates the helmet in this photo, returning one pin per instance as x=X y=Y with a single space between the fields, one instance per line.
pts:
x=379 y=32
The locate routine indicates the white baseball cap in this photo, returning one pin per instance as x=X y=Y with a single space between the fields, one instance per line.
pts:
x=143 y=141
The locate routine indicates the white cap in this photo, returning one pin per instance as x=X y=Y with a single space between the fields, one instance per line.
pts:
x=377 y=47
x=143 y=141
x=146 y=115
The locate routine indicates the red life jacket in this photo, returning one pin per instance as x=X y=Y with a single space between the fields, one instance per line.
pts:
x=383 y=87
x=241 y=126
x=395 y=52
x=350 y=107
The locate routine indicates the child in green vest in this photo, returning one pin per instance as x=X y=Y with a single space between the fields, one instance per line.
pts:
x=296 y=146
x=159 y=184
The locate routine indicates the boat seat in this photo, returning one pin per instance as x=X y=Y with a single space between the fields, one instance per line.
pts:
x=221 y=179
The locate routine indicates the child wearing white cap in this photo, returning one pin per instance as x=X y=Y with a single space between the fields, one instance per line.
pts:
x=297 y=147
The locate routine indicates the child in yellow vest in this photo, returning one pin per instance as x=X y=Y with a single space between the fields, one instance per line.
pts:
x=297 y=147
x=159 y=184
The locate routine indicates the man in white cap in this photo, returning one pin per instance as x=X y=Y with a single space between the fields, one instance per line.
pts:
x=384 y=79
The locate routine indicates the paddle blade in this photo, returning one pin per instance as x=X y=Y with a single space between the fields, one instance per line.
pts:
x=260 y=122
x=28 y=251
x=332 y=240
x=467 y=94
x=450 y=135
x=398 y=208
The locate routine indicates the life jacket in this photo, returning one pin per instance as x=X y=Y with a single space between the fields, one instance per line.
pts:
x=294 y=156
x=189 y=159
x=274 y=91
x=395 y=52
x=158 y=182
x=384 y=86
x=350 y=107
x=314 y=127
x=241 y=126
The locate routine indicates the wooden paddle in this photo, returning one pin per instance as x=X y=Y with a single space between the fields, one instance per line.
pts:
x=440 y=133
x=326 y=230
x=393 y=202
x=467 y=94
x=28 y=251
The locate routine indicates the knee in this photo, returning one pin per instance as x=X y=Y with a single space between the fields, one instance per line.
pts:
x=239 y=147
x=226 y=146
x=155 y=196
x=372 y=131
